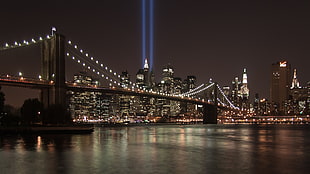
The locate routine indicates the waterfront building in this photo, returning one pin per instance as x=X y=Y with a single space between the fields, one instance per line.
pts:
x=279 y=86
x=88 y=105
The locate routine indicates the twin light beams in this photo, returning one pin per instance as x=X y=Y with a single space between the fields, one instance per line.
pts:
x=147 y=31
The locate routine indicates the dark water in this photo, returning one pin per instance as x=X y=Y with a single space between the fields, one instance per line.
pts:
x=162 y=149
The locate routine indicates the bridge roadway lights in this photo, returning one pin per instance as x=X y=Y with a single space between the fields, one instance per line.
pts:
x=209 y=114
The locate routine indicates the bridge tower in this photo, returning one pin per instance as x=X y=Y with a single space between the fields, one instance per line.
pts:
x=53 y=70
x=210 y=111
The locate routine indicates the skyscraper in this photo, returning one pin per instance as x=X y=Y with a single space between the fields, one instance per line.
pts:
x=295 y=82
x=244 y=91
x=145 y=77
x=279 y=86
x=87 y=105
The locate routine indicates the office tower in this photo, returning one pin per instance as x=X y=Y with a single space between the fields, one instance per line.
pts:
x=168 y=74
x=87 y=105
x=124 y=79
x=236 y=85
x=279 y=86
x=295 y=82
x=244 y=92
x=144 y=77
x=256 y=104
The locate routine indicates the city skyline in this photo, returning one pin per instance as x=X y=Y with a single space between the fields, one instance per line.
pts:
x=201 y=38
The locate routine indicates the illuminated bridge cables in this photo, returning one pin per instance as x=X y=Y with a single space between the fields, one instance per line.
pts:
x=15 y=44
x=88 y=59
x=93 y=60
x=230 y=103
x=90 y=67
x=200 y=90
x=220 y=102
x=78 y=59
x=192 y=90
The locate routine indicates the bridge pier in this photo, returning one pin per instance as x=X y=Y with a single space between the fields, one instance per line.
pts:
x=209 y=114
x=53 y=70
x=210 y=111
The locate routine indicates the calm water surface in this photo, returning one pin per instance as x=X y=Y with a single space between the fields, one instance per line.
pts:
x=162 y=149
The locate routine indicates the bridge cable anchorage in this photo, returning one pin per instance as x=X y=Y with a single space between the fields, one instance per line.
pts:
x=230 y=103
x=90 y=61
x=24 y=43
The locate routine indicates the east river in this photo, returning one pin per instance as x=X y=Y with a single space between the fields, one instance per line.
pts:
x=162 y=149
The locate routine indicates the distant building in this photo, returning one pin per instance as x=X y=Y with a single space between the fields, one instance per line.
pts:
x=297 y=101
x=256 y=104
x=145 y=77
x=87 y=105
x=295 y=82
x=279 y=86
x=124 y=79
x=236 y=86
x=244 y=92
x=240 y=92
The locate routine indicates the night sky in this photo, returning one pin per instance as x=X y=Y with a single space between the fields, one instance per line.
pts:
x=208 y=39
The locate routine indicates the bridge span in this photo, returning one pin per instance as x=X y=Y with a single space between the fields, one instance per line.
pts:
x=54 y=87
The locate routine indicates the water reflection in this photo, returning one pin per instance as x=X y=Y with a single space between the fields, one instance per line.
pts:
x=162 y=149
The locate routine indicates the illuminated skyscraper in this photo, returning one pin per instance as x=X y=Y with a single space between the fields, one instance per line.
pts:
x=145 y=77
x=236 y=85
x=244 y=90
x=125 y=79
x=87 y=105
x=279 y=86
x=295 y=82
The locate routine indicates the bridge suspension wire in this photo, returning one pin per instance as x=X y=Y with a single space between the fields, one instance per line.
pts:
x=192 y=90
x=230 y=103
x=92 y=69
x=24 y=43
x=88 y=64
x=91 y=60
x=201 y=90
x=220 y=102
x=109 y=73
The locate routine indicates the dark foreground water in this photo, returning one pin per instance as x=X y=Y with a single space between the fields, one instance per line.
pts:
x=162 y=149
